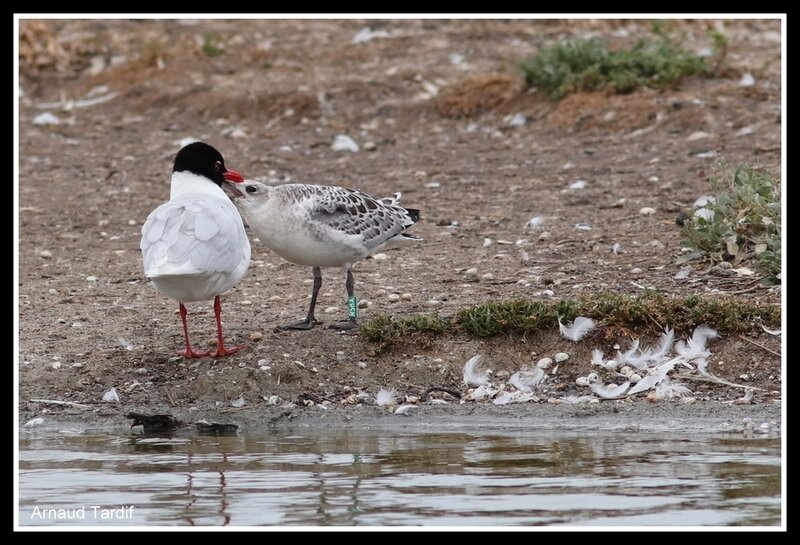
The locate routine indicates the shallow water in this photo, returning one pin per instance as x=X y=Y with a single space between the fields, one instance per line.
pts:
x=382 y=477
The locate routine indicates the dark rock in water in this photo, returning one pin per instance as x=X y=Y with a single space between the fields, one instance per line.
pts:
x=213 y=428
x=154 y=423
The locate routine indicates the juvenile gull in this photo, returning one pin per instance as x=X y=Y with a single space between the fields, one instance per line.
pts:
x=194 y=246
x=322 y=226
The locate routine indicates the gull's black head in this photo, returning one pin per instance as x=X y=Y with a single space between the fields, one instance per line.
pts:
x=204 y=160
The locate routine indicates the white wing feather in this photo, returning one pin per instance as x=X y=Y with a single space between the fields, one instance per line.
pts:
x=609 y=391
x=193 y=236
x=474 y=375
x=577 y=329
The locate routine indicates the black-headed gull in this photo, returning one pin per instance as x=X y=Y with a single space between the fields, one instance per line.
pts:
x=194 y=245
x=322 y=226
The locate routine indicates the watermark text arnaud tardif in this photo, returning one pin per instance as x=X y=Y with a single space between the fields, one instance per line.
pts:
x=86 y=512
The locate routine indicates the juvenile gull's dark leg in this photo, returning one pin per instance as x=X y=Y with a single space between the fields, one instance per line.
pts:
x=310 y=321
x=352 y=303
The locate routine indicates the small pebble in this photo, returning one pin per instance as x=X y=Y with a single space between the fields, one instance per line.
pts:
x=380 y=257
x=246 y=302
x=582 y=381
x=273 y=400
x=561 y=356
x=472 y=272
x=45 y=254
x=362 y=365
x=238 y=402
x=433 y=303
x=406 y=297
x=141 y=371
x=56 y=365
x=257 y=336
x=636 y=270
x=487 y=276
x=331 y=310
x=393 y=297
x=647 y=211
x=370 y=146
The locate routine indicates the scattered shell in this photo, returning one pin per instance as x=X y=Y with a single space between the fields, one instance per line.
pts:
x=561 y=356
x=698 y=135
x=111 y=396
x=583 y=227
x=544 y=363
x=393 y=297
x=342 y=142
x=331 y=310
x=647 y=211
x=747 y=80
x=517 y=120
x=45 y=254
x=366 y=34
x=56 y=365
x=46 y=118
x=471 y=272
x=582 y=381
x=433 y=303
x=744 y=131
x=239 y=402
x=535 y=222
x=273 y=400
x=257 y=336
x=578 y=184
x=683 y=273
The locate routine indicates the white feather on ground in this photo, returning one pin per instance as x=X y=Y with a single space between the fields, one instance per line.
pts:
x=384 y=397
x=668 y=390
x=633 y=356
x=474 y=375
x=655 y=377
x=696 y=346
x=702 y=367
x=405 y=409
x=577 y=329
x=664 y=345
x=482 y=391
x=524 y=380
x=775 y=332
x=610 y=391
x=503 y=398
x=597 y=359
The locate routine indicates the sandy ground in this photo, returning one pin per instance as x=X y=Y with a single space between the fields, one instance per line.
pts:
x=429 y=104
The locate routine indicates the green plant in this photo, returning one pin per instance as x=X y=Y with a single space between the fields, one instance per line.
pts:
x=647 y=312
x=744 y=220
x=585 y=65
x=209 y=47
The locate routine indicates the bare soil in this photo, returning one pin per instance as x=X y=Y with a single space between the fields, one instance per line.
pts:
x=271 y=95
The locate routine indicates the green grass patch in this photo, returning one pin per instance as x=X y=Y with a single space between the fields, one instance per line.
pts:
x=210 y=47
x=746 y=222
x=586 y=65
x=647 y=312
x=387 y=330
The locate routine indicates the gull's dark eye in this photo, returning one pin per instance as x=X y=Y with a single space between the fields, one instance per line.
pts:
x=218 y=166
x=251 y=189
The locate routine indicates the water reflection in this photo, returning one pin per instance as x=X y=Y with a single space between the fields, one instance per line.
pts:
x=356 y=477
